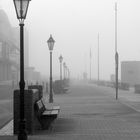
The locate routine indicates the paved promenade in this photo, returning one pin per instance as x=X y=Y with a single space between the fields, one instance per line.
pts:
x=90 y=112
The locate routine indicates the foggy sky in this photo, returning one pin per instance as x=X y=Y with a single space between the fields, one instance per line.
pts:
x=75 y=24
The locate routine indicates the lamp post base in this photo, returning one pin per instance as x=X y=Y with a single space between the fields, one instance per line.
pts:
x=51 y=98
x=22 y=136
x=22 y=132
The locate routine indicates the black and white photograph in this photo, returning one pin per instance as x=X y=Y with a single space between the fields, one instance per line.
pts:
x=69 y=69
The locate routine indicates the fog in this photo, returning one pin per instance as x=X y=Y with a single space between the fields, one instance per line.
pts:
x=75 y=25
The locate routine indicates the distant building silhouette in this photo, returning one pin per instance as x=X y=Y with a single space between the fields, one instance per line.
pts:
x=130 y=72
x=10 y=52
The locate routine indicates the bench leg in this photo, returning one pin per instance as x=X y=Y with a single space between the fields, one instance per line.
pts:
x=46 y=121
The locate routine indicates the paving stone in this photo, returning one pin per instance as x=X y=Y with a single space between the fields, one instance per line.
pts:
x=91 y=113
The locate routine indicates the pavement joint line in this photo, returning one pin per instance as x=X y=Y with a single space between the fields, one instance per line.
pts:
x=127 y=104
x=81 y=134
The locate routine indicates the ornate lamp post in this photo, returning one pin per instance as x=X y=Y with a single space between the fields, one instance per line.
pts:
x=21 y=7
x=61 y=59
x=116 y=53
x=51 y=42
x=64 y=69
x=90 y=56
x=66 y=72
x=98 y=58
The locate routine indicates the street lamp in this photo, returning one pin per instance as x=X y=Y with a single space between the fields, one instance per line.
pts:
x=64 y=69
x=69 y=74
x=21 y=7
x=51 y=42
x=60 y=59
x=90 y=56
x=98 y=59
x=66 y=72
x=116 y=53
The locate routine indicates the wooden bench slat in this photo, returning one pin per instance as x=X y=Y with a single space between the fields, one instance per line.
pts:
x=53 y=112
x=56 y=107
x=53 y=108
x=39 y=103
x=47 y=112
x=50 y=106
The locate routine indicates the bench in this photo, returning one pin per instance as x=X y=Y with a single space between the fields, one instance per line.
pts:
x=45 y=116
